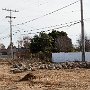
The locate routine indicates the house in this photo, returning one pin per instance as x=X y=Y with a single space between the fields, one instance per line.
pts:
x=3 y=52
x=17 y=53
x=6 y=53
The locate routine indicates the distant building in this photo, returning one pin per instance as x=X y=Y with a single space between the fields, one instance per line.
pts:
x=6 y=53
x=3 y=52
x=17 y=53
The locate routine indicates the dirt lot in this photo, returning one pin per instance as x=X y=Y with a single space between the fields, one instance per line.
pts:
x=63 y=79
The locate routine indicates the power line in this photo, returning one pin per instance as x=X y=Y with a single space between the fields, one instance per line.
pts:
x=54 y=28
x=60 y=26
x=72 y=24
x=48 y=13
x=49 y=27
x=69 y=25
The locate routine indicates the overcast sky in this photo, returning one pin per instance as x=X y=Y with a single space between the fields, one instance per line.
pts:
x=31 y=9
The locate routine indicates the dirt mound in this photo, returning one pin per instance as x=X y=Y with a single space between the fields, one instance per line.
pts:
x=28 y=76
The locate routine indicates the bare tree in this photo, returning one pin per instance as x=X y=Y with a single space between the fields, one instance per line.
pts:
x=2 y=46
x=64 y=44
x=25 y=42
x=87 y=44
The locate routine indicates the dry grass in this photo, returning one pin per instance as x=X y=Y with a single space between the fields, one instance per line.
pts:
x=70 y=79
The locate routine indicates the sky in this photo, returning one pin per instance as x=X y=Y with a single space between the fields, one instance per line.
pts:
x=34 y=16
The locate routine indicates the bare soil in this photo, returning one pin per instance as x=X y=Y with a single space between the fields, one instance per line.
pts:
x=63 y=79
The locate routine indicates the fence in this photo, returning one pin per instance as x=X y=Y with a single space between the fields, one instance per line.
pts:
x=71 y=56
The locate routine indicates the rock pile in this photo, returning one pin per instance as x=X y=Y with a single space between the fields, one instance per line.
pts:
x=65 y=65
x=16 y=68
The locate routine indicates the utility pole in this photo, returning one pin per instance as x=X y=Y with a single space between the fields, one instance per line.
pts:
x=82 y=32
x=11 y=44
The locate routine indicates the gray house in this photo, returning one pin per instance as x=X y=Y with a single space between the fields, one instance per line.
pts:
x=6 y=53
